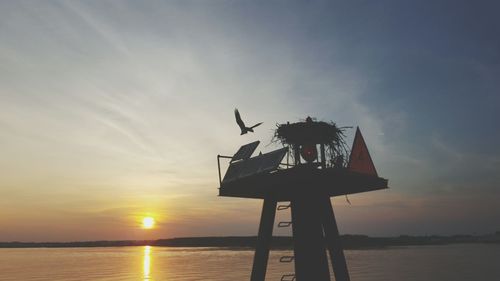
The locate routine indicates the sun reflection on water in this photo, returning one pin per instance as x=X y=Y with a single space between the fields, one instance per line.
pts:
x=146 y=266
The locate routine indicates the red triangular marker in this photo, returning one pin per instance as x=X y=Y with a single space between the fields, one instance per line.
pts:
x=360 y=160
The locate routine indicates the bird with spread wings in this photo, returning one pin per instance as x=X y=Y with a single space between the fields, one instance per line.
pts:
x=240 y=123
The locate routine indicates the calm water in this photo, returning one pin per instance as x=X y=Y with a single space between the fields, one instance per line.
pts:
x=429 y=263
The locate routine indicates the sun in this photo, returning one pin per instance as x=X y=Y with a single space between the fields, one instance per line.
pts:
x=148 y=222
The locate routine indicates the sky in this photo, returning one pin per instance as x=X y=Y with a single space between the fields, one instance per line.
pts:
x=111 y=111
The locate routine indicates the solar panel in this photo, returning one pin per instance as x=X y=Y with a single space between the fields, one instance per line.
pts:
x=260 y=164
x=245 y=151
x=270 y=161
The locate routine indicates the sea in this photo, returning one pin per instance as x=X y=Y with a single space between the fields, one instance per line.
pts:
x=456 y=262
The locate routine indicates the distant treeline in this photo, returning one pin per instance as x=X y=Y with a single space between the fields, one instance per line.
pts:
x=279 y=242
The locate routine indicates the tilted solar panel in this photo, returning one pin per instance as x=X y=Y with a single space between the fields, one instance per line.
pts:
x=256 y=165
x=270 y=161
x=245 y=151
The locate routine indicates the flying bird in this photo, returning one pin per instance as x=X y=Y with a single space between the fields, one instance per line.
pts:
x=240 y=123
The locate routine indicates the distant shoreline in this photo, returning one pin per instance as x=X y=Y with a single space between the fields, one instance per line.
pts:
x=279 y=242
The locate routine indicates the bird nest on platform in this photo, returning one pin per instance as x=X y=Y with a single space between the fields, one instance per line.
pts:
x=314 y=132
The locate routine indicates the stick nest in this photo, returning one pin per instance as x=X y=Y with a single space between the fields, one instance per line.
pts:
x=314 y=132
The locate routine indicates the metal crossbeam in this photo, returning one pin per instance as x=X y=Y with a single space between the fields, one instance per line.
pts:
x=288 y=277
x=287 y=258
x=284 y=224
x=283 y=207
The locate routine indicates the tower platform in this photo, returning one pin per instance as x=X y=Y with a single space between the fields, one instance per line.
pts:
x=288 y=184
x=307 y=184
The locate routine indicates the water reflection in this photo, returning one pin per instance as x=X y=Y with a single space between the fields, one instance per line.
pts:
x=146 y=265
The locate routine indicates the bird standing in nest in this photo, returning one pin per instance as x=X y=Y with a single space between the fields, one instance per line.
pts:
x=240 y=123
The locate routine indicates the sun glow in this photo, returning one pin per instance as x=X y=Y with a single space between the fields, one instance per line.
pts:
x=148 y=222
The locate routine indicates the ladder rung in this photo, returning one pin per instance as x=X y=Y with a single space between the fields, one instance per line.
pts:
x=284 y=223
x=287 y=258
x=283 y=207
x=288 y=277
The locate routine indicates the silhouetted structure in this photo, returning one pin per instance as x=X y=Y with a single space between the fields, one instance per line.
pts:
x=307 y=184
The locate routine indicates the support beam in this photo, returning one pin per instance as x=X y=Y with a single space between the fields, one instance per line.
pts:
x=310 y=254
x=323 y=156
x=264 y=240
x=333 y=240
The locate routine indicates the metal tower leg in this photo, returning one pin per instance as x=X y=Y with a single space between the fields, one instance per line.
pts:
x=264 y=240
x=333 y=241
x=310 y=254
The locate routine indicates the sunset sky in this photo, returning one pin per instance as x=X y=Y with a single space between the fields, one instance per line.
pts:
x=112 y=111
